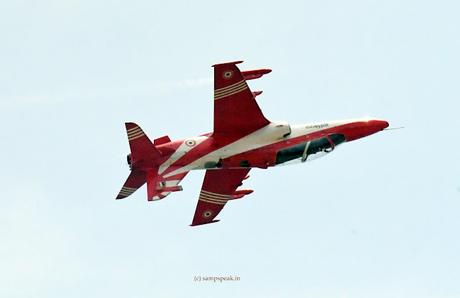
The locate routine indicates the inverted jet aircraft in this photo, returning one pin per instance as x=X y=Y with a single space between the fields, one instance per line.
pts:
x=242 y=139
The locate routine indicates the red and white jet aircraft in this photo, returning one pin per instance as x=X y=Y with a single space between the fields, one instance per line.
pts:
x=242 y=139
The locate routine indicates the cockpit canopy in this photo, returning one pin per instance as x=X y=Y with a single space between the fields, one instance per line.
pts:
x=310 y=150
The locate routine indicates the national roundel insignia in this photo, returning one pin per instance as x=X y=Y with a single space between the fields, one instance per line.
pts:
x=228 y=74
x=207 y=214
x=190 y=143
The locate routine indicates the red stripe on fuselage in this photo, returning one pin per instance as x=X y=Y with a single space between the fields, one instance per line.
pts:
x=351 y=131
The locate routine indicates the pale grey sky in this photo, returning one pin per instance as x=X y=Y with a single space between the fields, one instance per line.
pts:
x=377 y=218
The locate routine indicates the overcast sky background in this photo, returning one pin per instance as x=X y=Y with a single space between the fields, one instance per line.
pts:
x=377 y=218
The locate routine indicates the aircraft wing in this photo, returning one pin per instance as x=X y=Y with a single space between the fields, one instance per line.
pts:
x=219 y=186
x=235 y=108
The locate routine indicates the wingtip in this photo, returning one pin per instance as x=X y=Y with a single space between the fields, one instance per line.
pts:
x=228 y=63
x=204 y=223
x=130 y=125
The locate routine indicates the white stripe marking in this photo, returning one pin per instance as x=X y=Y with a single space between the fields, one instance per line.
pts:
x=260 y=138
x=181 y=151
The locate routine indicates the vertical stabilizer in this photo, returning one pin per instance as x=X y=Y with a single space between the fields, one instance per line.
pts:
x=142 y=149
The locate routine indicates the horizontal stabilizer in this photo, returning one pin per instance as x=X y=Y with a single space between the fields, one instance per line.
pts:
x=135 y=180
x=162 y=140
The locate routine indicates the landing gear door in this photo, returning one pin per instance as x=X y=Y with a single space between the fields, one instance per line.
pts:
x=305 y=153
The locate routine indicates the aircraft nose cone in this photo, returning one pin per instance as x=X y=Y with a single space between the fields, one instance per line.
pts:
x=379 y=124
x=365 y=128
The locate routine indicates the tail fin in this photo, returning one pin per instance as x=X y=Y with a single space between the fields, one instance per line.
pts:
x=141 y=147
x=142 y=162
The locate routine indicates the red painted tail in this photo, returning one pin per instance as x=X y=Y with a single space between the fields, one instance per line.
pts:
x=143 y=152
x=143 y=162
x=135 y=180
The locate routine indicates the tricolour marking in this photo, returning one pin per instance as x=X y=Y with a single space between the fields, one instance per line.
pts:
x=190 y=143
x=227 y=74
x=181 y=151
x=246 y=143
x=230 y=90
x=207 y=214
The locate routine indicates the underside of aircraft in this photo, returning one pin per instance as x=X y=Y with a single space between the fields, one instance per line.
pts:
x=242 y=139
